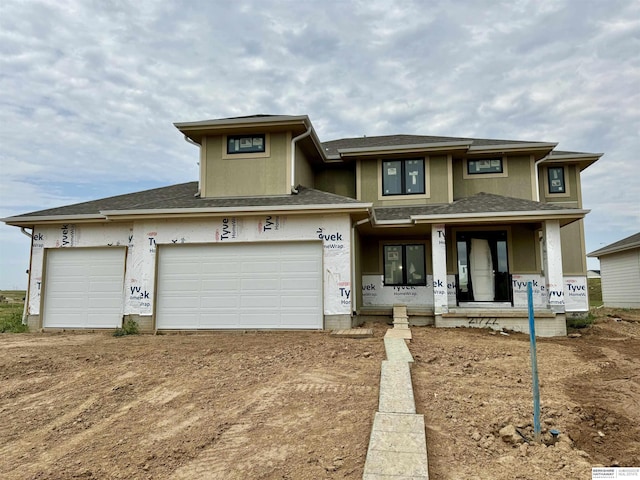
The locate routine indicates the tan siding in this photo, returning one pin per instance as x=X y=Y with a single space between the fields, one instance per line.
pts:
x=438 y=180
x=573 y=255
x=524 y=242
x=621 y=279
x=338 y=181
x=517 y=183
x=240 y=176
x=303 y=173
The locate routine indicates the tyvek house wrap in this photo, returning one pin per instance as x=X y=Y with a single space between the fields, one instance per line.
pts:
x=142 y=238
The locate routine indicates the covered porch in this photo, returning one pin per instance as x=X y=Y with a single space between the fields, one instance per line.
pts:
x=464 y=264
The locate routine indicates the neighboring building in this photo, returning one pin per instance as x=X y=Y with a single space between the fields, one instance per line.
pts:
x=593 y=273
x=620 y=272
x=284 y=231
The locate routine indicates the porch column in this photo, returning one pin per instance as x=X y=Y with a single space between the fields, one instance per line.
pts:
x=554 y=279
x=439 y=261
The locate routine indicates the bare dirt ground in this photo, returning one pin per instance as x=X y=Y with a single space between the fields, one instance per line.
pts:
x=299 y=405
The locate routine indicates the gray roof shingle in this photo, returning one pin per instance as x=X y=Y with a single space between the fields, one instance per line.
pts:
x=621 y=245
x=478 y=203
x=182 y=196
x=332 y=147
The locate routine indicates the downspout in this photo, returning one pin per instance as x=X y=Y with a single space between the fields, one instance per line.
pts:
x=535 y=168
x=188 y=140
x=354 y=305
x=293 y=158
x=26 y=297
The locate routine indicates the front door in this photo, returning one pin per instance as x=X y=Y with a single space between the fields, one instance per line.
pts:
x=483 y=267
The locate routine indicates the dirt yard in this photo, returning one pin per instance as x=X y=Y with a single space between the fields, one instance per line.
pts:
x=300 y=405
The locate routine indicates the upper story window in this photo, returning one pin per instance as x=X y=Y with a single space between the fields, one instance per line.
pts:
x=404 y=265
x=403 y=177
x=484 y=166
x=246 y=144
x=555 y=176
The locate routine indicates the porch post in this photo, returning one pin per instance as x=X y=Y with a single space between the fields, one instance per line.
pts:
x=554 y=279
x=439 y=261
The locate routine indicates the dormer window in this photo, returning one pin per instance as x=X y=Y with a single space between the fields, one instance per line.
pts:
x=245 y=144
x=403 y=177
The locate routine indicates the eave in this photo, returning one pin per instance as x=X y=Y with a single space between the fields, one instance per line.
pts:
x=565 y=217
x=236 y=211
x=399 y=149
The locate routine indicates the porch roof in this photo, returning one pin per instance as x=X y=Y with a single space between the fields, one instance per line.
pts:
x=481 y=207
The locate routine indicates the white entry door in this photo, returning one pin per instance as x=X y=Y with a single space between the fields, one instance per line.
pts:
x=481 y=269
x=83 y=288
x=251 y=285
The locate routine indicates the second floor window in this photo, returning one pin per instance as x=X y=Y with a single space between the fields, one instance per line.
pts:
x=484 y=166
x=556 y=180
x=403 y=177
x=245 y=143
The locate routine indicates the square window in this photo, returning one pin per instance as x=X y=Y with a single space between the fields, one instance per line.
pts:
x=245 y=144
x=487 y=165
x=404 y=265
x=556 y=179
x=403 y=177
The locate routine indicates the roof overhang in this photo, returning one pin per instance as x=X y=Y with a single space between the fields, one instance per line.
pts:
x=122 y=215
x=582 y=159
x=297 y=124
x=513 y=147
x=28 y=221
x=400 y=149
x=564 y=217
x=236 y=211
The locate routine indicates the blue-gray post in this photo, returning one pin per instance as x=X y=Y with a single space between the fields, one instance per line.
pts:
x=534 y=364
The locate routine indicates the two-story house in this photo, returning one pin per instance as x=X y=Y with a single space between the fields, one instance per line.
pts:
x=284 y=231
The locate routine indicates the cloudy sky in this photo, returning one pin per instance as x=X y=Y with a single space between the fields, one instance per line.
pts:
x=89 y=90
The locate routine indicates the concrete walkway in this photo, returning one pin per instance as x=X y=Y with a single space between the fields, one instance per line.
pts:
x=398 y=446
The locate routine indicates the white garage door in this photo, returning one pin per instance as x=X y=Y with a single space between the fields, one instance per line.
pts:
x=258 y=285
x=83 y=288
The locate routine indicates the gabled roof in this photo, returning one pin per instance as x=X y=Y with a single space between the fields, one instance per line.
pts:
x=620 y=246
x=181 y=199
x=481 y=207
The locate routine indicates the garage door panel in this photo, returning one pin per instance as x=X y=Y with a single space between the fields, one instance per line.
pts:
x=83 y=288
x=241 y=285
x=248 y=302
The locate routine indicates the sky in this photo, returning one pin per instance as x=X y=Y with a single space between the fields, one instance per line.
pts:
x=89 y=90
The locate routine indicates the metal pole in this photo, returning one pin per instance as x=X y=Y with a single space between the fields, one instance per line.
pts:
x=534 y=364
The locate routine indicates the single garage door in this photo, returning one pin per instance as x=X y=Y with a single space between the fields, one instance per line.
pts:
x=83 y=288
x=258 y=285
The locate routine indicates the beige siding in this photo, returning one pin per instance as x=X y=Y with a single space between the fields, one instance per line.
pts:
x=303 y=173
x=621 y=279
x=524 y=242
x=517 y=183
x=438 y=179
x=574 y=260
x=238 y=176
x=572 y=194
x=339 y=181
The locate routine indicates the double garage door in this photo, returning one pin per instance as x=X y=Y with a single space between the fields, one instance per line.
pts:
x=258 y=285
